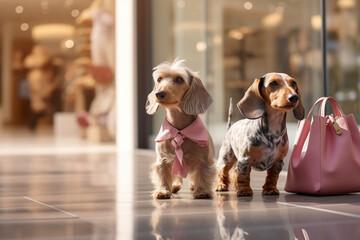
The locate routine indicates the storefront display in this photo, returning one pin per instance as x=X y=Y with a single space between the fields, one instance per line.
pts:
x=63 y=64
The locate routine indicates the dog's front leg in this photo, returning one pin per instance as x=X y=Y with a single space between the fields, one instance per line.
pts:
x=272 y=177
x=202 y=177
x=176 y=186
x=162 y=178
x=241 y=178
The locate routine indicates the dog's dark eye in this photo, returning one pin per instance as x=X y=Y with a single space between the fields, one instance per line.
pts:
x=273 y=84
x=178 y=80
x=293 y=84
x=159 y=79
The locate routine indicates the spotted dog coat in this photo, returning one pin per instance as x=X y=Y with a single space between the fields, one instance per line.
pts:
x=260 y=141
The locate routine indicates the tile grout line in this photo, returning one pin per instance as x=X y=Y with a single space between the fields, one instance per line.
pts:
x=322 y=210
x=33 y=220
x=44 y=204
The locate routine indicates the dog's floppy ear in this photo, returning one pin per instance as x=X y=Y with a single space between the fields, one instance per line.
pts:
x=252 y=105
x=197 y=99
x=151 y=105
x=299 y=111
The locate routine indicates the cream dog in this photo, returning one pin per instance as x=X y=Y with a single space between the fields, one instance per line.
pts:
x=183 y=145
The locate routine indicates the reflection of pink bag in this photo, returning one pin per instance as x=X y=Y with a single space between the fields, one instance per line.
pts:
x=326 y=155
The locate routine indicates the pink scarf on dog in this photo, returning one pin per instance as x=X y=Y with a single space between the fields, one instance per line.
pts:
x=196 y=132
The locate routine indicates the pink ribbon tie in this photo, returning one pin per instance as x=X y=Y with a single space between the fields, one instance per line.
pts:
x=179 y=167
x=196 y=132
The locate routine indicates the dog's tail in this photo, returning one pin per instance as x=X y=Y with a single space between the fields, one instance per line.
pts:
x=229 y=115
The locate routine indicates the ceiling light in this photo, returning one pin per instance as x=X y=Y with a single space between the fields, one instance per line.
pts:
x=316 y=22
x=201 y=46
x=19 y=9
x=272 y=19
x=75 y=13
x=346 y=4
x=69 y=43
x=248 y=5
x=246 y=30
x=52 y=31
x=236 y=34
x=24 y=27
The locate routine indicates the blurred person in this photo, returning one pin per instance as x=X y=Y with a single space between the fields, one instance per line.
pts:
x=41 y=77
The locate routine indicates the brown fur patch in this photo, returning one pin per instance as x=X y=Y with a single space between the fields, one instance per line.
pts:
x=255 y=154
x=223 y=180
x=242 y=183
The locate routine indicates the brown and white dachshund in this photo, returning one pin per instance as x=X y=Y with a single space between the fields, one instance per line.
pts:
x=260 y=141
x=180 y=91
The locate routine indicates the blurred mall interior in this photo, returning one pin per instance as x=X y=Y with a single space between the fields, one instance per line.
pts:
x=58 y=68
x=55 y=69
x=75 y=141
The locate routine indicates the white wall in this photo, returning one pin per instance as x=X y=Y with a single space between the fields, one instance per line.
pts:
x=125 y=75
x=126 y=110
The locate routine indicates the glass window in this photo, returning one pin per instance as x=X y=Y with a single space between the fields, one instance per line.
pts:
x=343 y=54
x=247 y=39
x=230 y=43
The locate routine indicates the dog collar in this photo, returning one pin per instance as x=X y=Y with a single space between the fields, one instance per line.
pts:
x=196 y=132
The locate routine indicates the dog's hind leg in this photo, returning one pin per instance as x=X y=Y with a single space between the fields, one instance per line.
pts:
x=226 y=162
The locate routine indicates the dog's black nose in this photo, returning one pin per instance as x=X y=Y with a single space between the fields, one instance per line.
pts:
x=160 y=95
x=293 y=98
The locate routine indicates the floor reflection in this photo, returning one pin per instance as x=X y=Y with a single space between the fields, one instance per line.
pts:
x=247 y=217
x=108 y=196
x=324 y=217
x=226 y=232
x=182 y=219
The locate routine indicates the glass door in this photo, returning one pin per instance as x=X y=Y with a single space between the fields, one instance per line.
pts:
x=343 y=53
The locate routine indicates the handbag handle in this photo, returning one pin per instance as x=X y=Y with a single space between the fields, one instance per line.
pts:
x=320 y=100
x=337 y=109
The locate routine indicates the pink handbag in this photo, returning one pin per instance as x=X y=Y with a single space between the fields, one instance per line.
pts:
x=326 y=156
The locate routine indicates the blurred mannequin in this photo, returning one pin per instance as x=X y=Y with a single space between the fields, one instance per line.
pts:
x=101 y=37
x=102 y=108
x=41 y=81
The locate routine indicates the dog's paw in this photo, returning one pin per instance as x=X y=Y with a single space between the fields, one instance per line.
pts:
x=245 y=192
x=203 y=195
x=270 y=191
x=175 y=188
x=162 y=194
x=221 y=187
x=199 y=193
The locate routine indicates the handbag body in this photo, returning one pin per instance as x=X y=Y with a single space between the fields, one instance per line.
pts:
x=326 y=155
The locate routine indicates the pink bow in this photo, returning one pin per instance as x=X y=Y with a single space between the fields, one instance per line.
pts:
x=196 y=132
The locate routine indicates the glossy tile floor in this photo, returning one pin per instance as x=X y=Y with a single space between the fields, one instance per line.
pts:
x=106 y=195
